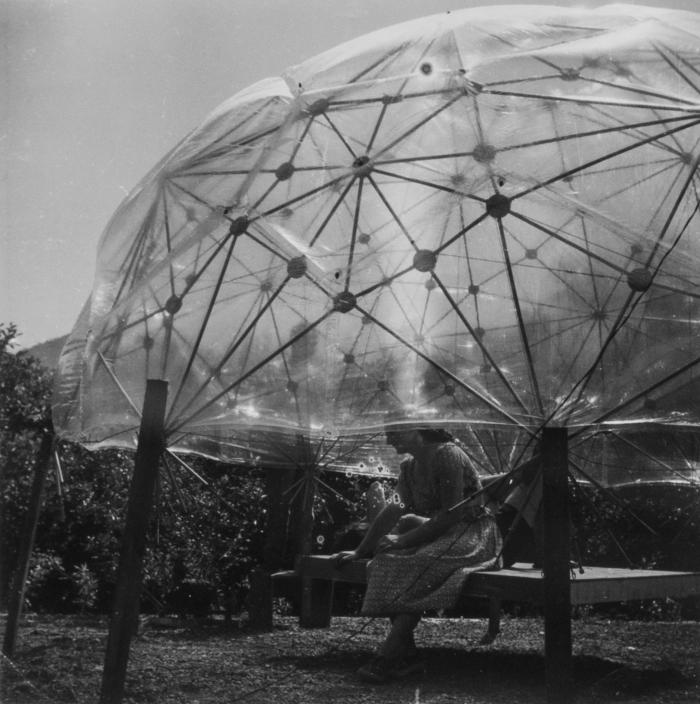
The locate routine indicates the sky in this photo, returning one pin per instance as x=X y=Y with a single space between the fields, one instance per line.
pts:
x=94 y=92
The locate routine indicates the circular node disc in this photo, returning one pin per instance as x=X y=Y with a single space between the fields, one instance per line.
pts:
x=424 y=260
x=344 y=302
x=284 y=171
x=173 y=305
x=639 y=279
x=318 y=107
x=296 y=268
x=239 y=225
x=498 y=206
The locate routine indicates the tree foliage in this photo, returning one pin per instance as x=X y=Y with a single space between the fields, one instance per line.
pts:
x=199 y=532
x=25 y=387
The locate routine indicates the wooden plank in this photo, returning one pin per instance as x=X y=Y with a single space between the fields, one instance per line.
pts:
x=321 y=567
x=519 y=584
x=522 y=583
x=597 y=585
x=597 y=588
x=284 y=574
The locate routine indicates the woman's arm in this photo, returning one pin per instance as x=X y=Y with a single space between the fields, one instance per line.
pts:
x=424 y=533
x=386 y=519
x=451 y=490
x=382 y=524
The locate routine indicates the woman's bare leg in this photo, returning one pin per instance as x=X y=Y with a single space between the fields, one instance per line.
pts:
x=400 y=643
x=395 y=657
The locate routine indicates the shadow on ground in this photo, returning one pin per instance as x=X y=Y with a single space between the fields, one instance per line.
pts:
x=451 y=669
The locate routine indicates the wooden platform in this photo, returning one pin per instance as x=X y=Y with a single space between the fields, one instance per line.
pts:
x=597 y=585
x=520 y=583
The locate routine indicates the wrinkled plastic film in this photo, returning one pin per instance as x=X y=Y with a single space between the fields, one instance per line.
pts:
x=484 y=220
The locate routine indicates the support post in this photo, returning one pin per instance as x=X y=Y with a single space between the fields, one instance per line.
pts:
x=151 y=443
x=316 y=603
x=278 y=551
x=557 y=594
x=19 y=581
x=260 y=600
x=311 y=592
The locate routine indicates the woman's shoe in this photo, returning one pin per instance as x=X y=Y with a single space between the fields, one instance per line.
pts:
x=381 y=669
x=410 y=665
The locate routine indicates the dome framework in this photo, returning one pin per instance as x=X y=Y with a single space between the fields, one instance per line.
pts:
x=463 y=219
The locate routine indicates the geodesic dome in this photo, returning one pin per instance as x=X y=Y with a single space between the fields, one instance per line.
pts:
x=486 y=219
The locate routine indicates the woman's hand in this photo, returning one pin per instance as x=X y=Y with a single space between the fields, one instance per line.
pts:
x=342 y=558
x=390 y=542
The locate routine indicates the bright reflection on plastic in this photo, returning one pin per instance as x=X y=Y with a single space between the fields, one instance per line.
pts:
x=478 y=220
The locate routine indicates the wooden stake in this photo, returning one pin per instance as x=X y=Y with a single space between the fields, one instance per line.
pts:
x=151 y=443
x=278 y=550
x=19 y=581
x=306 y=520
x=557 y=595
x=304 y=543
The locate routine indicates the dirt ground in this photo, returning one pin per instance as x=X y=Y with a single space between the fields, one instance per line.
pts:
x=60 y=658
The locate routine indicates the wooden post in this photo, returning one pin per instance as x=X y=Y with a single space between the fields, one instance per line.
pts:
x=14 y=610
x=557 y=594
x=312 y=592
x=151 y=443
x=260 y=600
x=316 y=603
x=278 y=551
x=304 y=541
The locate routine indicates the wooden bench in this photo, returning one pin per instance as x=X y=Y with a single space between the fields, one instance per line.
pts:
x=519 y=583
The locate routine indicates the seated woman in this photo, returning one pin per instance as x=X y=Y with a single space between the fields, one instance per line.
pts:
x=426 y=540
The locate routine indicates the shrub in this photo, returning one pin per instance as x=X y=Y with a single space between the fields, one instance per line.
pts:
x=647 y=525
x=49 y=587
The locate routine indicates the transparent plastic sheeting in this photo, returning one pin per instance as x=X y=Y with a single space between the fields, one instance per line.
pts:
x=486 y=219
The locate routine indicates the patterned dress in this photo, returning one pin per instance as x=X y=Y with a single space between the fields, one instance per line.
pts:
x=432 y=575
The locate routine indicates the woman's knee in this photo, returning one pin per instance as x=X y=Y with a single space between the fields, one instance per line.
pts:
x=409 y=521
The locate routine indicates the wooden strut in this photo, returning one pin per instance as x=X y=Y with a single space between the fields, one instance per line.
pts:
x=277 y=550
x=304 y=540
x=279 y=481
x=151 y=444
x=557 y=591
x=19 y=581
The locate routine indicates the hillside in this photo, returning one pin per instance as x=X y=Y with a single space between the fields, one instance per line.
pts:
x=48 y=352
